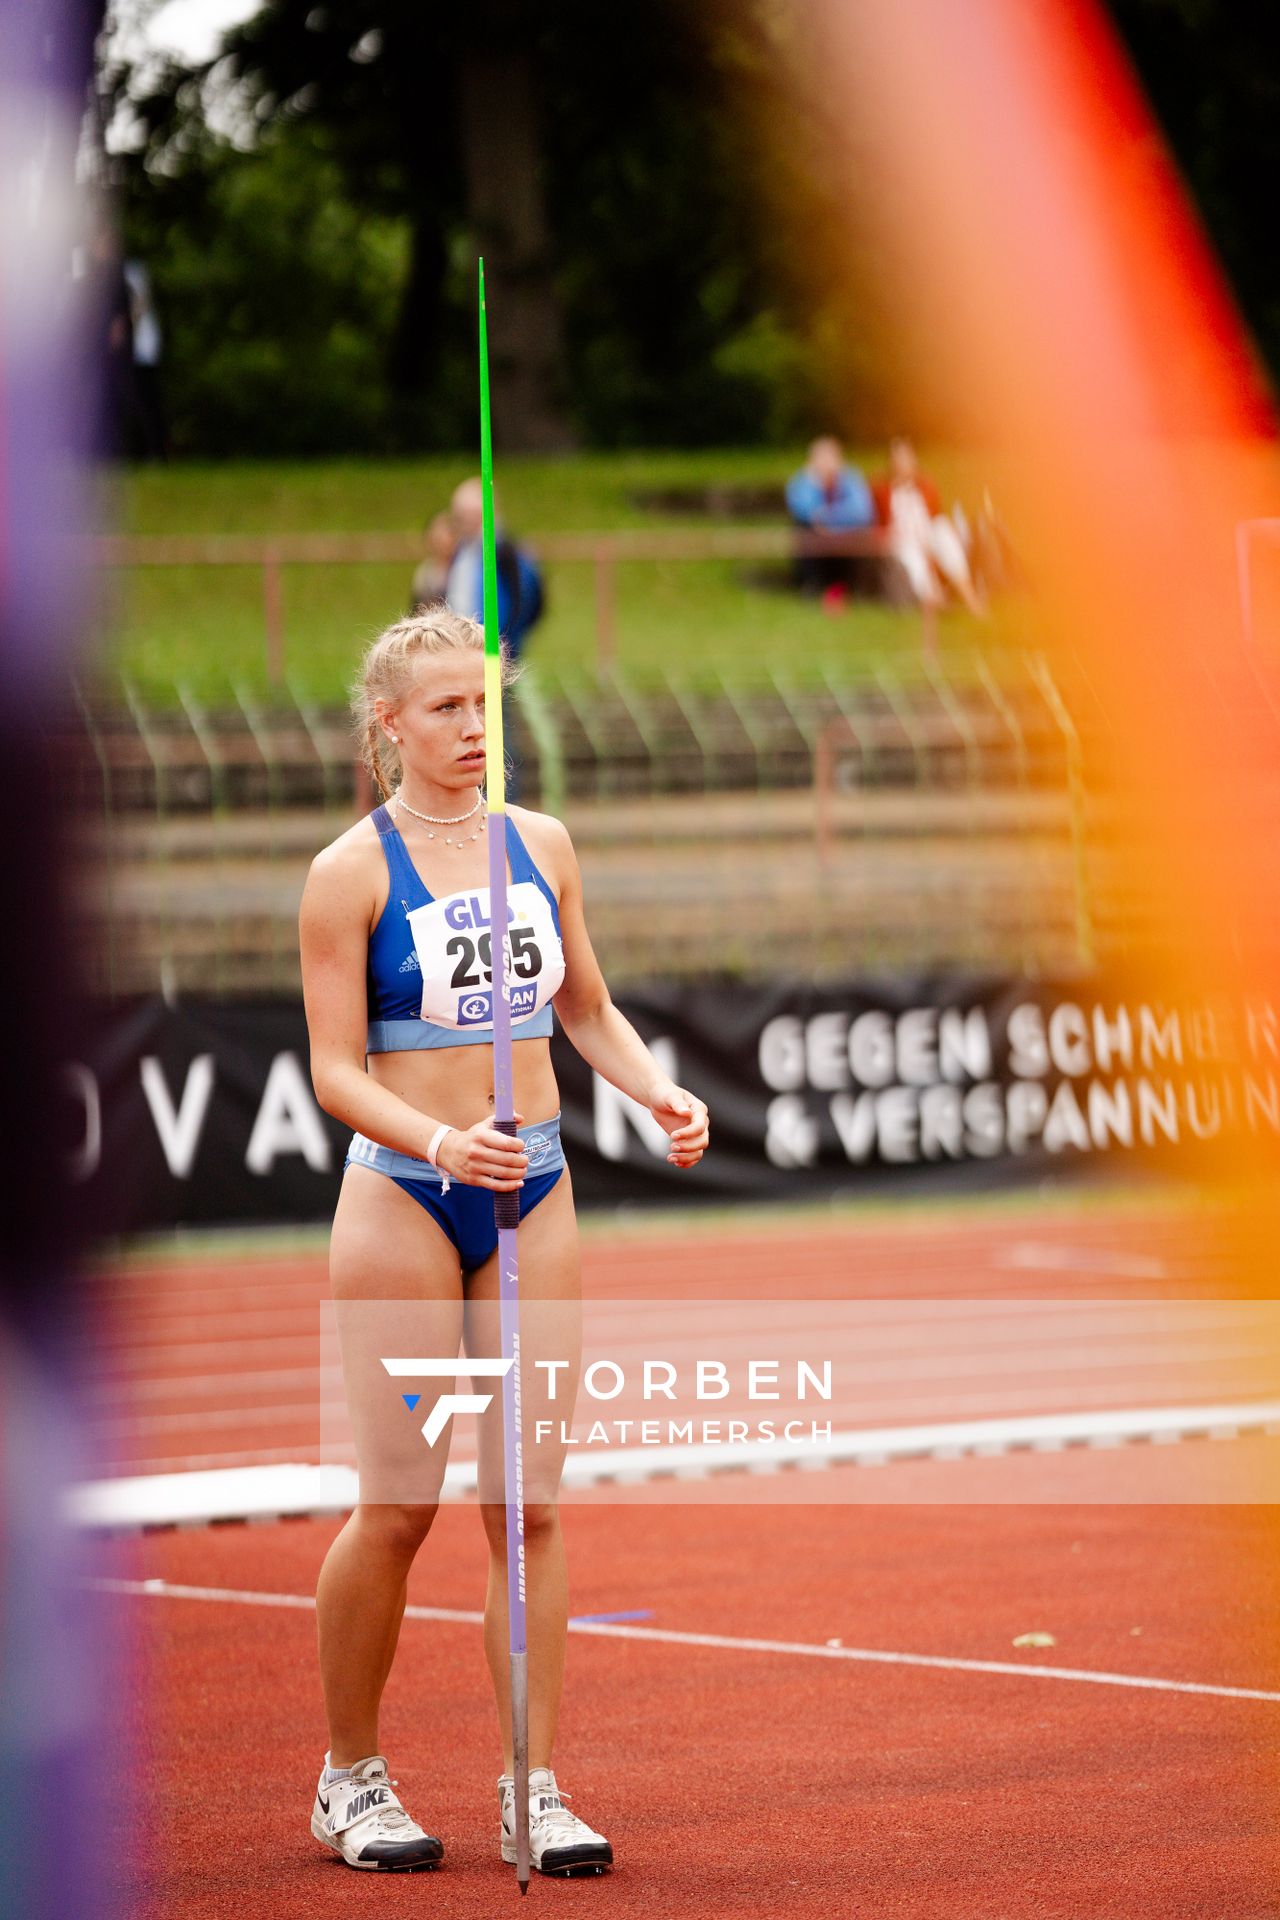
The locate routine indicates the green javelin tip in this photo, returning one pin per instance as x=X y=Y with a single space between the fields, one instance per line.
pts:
x=492 y=643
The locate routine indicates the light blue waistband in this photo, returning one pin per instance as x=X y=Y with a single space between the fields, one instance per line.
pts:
x=414 y=1036
x=546 y=1153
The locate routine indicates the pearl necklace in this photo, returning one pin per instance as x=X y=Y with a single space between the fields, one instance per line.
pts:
x=433 y=820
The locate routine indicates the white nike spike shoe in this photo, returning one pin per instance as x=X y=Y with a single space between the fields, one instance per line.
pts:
x=558 y=1841
x=363 y=1821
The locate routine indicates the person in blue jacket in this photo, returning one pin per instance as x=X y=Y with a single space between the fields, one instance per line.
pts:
x=828 y=495
x=520 y=593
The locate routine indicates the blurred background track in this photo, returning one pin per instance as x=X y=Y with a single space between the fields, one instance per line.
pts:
x=217 y=1360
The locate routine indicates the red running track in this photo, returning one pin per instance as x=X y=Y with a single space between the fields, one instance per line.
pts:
x=213 y=1362
x=739 y=1780
x=734 y=1781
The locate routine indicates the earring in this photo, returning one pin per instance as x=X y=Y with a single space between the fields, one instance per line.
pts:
x=394 y=738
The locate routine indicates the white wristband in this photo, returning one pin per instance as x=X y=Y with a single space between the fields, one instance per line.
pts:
x=433 y=1150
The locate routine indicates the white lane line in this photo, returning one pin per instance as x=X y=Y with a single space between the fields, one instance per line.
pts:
x=332 y=1417
x=1038 y=1353
x=1022 y=1338
x=268 y=1492
x=722 y=1642
x=882 y=1408
x=1035 y=1256
x=953 y=1400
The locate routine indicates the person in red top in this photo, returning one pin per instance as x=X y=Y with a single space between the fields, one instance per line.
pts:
x=926 y=542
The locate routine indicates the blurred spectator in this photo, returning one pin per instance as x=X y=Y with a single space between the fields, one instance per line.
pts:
x=929 y=545
x=110 y=322
x=520 y=592
x=828 y=495
x=148 y=346
x=431 y=578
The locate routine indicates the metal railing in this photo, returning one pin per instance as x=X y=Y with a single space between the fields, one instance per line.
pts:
x=604 y=552
x=813 y=830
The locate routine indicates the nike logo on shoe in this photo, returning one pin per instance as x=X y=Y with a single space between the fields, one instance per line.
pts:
x=324 y=1804
x=375 y=1797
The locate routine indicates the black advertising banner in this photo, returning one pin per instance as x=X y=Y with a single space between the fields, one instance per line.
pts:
x=202 y=1112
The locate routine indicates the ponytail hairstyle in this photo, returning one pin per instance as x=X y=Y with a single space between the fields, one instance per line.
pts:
x=386 y=673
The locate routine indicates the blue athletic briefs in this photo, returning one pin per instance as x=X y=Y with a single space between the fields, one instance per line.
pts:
x=464 y=1213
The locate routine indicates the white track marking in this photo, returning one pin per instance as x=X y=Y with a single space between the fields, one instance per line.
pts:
x=268 y=1492
x=1037 y=1257
x=721 y=1642
x=1022 y=1342
x=878 y=1407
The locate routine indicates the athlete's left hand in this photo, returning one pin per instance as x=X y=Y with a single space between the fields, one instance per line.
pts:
x=685 y=1118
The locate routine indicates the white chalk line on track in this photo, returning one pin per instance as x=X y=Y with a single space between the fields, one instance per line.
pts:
x=720 y=1642
x=272 y=1492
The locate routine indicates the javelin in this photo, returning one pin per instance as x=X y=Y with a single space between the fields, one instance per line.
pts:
x=506 y=1206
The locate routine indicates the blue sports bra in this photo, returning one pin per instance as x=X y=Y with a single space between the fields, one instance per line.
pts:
x=429 y=977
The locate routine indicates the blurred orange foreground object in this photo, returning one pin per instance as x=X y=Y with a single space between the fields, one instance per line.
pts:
x=1060 y=309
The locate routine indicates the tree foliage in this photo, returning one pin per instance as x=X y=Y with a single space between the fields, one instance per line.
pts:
x=1212 y=71
x=315 y=271
x=276 y=293
x=671 y=328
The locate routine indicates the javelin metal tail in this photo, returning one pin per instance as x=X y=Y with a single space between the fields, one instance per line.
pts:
x=520 y=1731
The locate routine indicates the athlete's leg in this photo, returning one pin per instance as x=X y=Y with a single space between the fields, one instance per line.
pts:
x=384 y=1247
x=393 y=1633
x=550 y=1293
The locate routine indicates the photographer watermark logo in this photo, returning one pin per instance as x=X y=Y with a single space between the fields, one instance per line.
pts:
x=416 y=1368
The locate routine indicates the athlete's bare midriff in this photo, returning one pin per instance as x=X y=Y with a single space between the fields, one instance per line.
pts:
x=456 y=1083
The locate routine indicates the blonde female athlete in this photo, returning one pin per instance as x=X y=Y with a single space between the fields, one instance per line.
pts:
x=395 y=963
